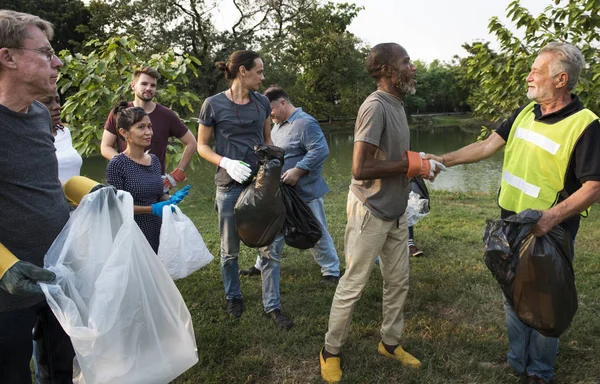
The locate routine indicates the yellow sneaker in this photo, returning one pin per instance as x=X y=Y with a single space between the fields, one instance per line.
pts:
x=331 y=371
x=401 y=355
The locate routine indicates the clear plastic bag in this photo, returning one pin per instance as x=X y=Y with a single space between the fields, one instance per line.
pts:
x=416 y=209
x=126 y=319
x=182 y=250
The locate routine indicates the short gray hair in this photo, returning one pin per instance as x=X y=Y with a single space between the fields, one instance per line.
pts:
x=570 y=60
x=13 y=27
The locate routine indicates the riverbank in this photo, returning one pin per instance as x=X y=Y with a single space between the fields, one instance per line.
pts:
x=463 y=121
x=419 y=122
x=453 y=315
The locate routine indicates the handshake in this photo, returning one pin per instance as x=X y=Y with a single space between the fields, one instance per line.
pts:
x=422 y=165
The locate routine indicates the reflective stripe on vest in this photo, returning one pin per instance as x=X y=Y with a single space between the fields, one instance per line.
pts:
x=536 y=159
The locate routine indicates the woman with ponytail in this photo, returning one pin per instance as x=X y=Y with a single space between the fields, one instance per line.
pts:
x=238 y=118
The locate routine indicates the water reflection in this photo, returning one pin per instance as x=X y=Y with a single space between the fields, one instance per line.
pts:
x=481 y=177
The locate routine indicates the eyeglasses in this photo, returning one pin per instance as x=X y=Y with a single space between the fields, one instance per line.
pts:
x=47 y=53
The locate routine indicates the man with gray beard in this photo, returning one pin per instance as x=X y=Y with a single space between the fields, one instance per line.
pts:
x=377 y=224
x=551 y=164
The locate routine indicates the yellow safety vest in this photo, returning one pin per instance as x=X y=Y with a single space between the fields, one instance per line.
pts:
x=536 y=159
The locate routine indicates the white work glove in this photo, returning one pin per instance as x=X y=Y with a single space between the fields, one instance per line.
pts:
x=237 y=169
x=435 y=166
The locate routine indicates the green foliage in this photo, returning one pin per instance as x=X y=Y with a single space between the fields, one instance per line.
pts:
x=69 y=18
x=320 y=63
x=500 y=75
x=98 y=80
x=439 y=89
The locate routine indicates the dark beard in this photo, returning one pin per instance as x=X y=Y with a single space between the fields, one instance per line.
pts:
x=145 y=98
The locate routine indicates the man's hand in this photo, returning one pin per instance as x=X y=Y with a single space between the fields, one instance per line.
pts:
x=292 y=175
x=545 y=224
x=429 y=156
x=21 y=279
x=419 y=165
x=237 y=169
x=171 y=180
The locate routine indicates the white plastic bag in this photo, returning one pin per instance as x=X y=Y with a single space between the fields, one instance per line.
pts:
x=182 y=250
x=416 y=208
x=127 y=321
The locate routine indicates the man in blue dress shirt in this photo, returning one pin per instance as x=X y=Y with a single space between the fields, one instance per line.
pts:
x=300 y=135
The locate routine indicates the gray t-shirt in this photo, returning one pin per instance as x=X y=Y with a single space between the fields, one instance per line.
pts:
x=32 y=204
x=238 y=128
x=382 y=122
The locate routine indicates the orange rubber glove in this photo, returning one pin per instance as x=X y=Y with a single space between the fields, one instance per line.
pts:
x=417 y=166
x=173 y=178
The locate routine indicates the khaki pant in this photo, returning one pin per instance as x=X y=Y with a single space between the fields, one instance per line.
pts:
x=366 y=238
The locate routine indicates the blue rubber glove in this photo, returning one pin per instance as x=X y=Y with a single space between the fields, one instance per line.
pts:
x=157 y=208
x=180 y=195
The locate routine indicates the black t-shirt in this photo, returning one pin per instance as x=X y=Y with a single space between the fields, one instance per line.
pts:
x=584 y=164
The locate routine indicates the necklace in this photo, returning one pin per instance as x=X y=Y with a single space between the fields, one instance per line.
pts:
x=234 y=105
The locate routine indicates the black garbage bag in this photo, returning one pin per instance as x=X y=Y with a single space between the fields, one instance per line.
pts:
x=260 y=211
x=502 y=239
x=535 y=273
x=301 y=229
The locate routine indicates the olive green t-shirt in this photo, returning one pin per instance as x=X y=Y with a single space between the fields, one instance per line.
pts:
x=382 y=122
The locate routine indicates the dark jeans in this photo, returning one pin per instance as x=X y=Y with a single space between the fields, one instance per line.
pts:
x=54 y=350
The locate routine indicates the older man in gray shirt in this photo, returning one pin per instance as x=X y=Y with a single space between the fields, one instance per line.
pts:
x=33 y=206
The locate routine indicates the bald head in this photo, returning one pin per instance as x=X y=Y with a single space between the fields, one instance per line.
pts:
x=383 y=54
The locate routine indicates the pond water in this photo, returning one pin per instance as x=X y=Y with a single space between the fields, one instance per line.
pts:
x=479 y=177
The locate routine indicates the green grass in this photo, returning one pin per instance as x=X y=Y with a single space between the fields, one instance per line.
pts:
x=465 y=122
x=467 y=119
x=453 y=315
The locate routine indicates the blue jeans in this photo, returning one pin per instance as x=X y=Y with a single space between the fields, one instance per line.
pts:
x=529 y=351
x=54 y=352
x=230 y=248
x=324 y=251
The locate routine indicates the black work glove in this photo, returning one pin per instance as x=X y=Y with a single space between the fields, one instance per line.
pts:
x=102 y=185
x=21 y=278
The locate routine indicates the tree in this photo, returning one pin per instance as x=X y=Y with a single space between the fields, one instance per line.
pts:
x=186 y=27
x=319 y=62
x=439 y=89
x=500 y=75
x=100 y=79
x=69 y=18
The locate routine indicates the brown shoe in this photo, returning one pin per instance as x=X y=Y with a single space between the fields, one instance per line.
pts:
x=414 y=251
x=329 y=280
x=280 y=319
x=535 y=380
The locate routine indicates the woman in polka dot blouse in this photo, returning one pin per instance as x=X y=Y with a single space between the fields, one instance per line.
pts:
x=139 y=173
